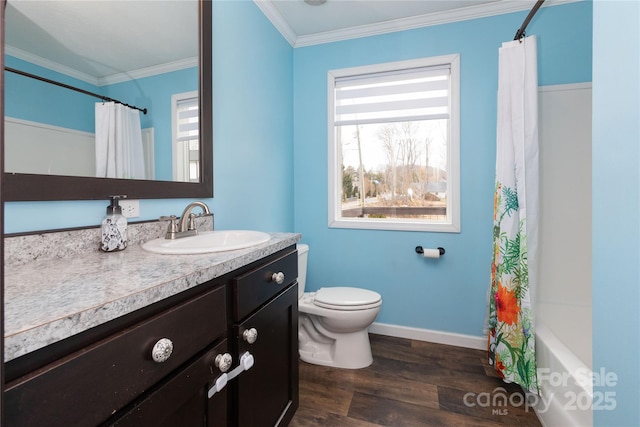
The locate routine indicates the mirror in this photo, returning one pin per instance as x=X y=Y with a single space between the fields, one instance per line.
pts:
x=144 y=78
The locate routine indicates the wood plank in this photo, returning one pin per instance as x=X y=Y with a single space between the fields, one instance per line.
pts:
x=433 y=355
x=410 y=383
x=512 y=410
x=465 y=377
x=331 y=400
x=389 y=412
x=311 y=417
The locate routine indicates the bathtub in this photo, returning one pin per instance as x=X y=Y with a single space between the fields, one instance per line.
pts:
x=565 y=383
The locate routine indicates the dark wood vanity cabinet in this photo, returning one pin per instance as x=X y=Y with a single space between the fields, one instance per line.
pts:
x=266 y=326
x=115 y=381
x=268 y=393
x=88 y=386
x=182 y=400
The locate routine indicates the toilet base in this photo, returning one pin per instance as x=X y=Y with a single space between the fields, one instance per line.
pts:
x=348 y=351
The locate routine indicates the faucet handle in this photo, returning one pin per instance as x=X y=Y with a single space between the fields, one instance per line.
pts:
x=192 y=222
x=171 y=218
x=172 y=229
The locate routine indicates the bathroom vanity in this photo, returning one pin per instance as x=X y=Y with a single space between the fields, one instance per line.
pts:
x=140 y=339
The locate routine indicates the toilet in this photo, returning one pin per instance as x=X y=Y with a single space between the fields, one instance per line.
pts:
x=334 y=321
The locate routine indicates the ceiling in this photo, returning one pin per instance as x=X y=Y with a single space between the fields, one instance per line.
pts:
x=305 y=24
x=99 y=41
x=305 y=19
x=103 y=41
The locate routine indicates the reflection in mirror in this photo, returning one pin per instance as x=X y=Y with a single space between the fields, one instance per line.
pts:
x=140 y=53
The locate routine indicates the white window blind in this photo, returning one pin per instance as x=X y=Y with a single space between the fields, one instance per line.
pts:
x=397 y=96
x=186 y=130
x=188 y=119
x=394 y=148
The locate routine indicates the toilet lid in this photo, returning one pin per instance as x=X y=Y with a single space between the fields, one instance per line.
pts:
x=346 y=298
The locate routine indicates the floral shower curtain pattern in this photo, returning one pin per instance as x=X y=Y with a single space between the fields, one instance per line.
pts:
x=511 y=324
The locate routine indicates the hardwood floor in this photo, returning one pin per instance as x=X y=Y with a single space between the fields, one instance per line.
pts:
x=410 y=383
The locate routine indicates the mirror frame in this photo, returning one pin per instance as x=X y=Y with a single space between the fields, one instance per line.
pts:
x=33 y=187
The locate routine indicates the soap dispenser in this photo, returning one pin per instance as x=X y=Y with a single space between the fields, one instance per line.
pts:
x=114 y=228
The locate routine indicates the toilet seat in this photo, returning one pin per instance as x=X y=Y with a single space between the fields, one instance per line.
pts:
x=346 y=298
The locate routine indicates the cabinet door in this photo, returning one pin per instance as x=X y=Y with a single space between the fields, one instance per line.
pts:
x=182 y=400
x=268 y=392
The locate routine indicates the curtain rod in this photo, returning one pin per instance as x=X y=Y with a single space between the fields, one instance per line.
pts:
x=520 y=32
x=86 y=92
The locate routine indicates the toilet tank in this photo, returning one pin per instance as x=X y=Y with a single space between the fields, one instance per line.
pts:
x=303 y=253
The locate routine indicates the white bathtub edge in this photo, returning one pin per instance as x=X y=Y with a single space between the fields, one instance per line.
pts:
x=562 y=402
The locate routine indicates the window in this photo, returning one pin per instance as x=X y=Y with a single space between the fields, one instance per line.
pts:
x=186 y=141
x=394 y=146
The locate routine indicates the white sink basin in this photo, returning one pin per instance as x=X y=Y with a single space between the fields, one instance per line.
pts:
x=206 y=242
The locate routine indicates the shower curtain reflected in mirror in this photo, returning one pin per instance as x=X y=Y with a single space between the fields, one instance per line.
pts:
x=515 y=227
x=119 y=152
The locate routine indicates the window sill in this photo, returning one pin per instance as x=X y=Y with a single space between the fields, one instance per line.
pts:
x=394 y=225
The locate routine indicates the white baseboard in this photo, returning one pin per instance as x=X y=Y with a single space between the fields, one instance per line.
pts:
x=439 y=337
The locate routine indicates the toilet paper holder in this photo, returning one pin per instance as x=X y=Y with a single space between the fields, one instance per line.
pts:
x=420 y=250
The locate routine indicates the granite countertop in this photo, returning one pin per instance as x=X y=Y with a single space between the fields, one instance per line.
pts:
x=47 y=300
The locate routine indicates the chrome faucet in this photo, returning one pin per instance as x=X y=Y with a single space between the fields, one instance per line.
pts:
x=187 y=222
x=185 y=225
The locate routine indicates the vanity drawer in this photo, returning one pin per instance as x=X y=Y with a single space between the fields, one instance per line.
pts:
x=258 y=286
x=182 y=399
x=86 y=387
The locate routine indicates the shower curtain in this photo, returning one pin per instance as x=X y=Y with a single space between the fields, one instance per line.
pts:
x=119 y=152
x=513 y=268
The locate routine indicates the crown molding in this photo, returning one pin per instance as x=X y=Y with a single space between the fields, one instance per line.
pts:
x=277 y=20
x=105 y=80
x=148 y=71
x=51 y=65
x=463 y=14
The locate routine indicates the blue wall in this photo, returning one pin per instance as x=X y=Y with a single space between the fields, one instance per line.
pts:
x=446 y=294
x=154 y=93
x=253 y=176
x=254 y=116
x=616 y=207
x=253 y=120
x=24 y=98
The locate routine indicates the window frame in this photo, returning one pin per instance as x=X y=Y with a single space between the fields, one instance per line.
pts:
x=180 y=171
x=452 y=224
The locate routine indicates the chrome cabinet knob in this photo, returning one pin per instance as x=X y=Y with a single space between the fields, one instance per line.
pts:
x=278 y=277
x=250 y=335
x=162 y=350
x=223 y=362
